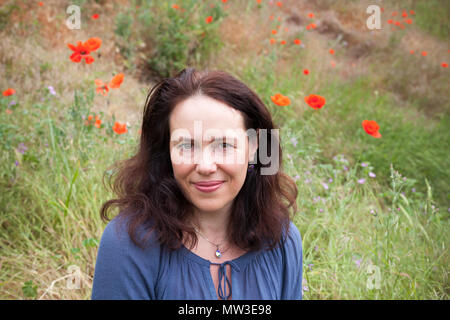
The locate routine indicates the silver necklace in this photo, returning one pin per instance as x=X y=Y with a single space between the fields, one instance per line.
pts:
x=218 y=252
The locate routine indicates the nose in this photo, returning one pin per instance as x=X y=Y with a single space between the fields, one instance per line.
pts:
x=206 y=165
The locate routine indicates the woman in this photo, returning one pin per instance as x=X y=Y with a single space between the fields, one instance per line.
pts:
x=201 y=215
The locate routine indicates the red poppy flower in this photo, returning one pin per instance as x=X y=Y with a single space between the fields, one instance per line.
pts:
x=175 y=6
x=272 y=41
x=394 y=14
x=331 y=51
x=116 y=81
x=315 y=101
x=120 y=128
x=40 y=3
x=404 y=14
x=280 y=100
x=209 y=19
x=444 y=65
x=411 y=51
x=274 y=31
x=306 y=71
x=371 y=127
x=412 y=12
x=311 y=15
x=102 y=88
x=424 y=53
x=95 y=16
x=9 y=92
x=308 y=27
x=82 y=50
x=93 y=43
x=390 y=21
x=224 y=1
x=313 y=25
x=279 y=3
x=408 y=21
x=283 y=42
x=297 y=41
x=397 y=23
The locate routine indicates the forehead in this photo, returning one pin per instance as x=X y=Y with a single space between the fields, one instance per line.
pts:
x=211 y=113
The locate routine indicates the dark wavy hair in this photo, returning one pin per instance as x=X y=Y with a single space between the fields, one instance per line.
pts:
x=149 y=197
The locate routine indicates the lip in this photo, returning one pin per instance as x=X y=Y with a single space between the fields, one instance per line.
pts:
x=208 y=186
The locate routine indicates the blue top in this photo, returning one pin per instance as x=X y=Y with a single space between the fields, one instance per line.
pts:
x=125 y=271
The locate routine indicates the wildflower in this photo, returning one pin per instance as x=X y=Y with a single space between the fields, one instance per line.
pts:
x=304 y=285
x=404 y=14
x=274 y=31
x=283 y=42
x=224 y=1
x=394 y=14
x=330 y=180
x=209 y=19
x=345 y=168
x=310 y=266
x=311 y=15
x=306 y=71
x=411 y=51
x=22 y=148
x=390 y=21
x=313 y=25
x=325 y=186
x=40 y=3
x=297 y=41
x=52 y=90
x=12 y=103
x=9 y=92
x=307 y=180
x=95 y=16
x=294 y=141
x=279 y=3
x=408 y=21
x=372 y=175
x=315 y=101
x=331 y=51
x=412 y=12
x=102 y=88
x=296 y=177
x=83 y=50
x=280 y=100
x=424 y=53
x=175 y=6
x=444 y=65
x=361 y=181
x=358 y=262
x=120 y=128
x=413 y=189
x=116 y=81
x=272 y=41
x=308 y=27
x=321 y=210
x=16 y=163
x=371 y=127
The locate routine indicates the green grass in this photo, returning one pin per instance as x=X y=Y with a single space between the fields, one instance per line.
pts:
x=381 y=232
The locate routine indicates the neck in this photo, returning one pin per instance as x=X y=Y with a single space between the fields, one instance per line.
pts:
x=213 y=224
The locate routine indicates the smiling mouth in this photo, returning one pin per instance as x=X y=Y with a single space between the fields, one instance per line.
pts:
x=208 y=186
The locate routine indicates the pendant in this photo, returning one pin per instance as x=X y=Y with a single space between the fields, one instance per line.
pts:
x=218 y=253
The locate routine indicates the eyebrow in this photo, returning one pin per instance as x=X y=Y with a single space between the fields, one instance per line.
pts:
x=234 y=139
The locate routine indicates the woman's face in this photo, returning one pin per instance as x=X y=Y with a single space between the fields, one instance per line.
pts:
x=209 y=143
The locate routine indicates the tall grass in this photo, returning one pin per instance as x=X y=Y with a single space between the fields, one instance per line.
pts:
x=364 y=236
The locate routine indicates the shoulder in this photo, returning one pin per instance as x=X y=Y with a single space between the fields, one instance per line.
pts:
x=293 y=238
x=117 y=240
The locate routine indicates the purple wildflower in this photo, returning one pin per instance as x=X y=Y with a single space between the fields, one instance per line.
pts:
x=363 y=164
x=413 y=189
x=22 y=148
x=330 y=180
x=294 y=141
x=361 y=181
x=16 y=163
x=13 y=102
x=325 y=185
x=307 y=180
x=345 y=168
x=372 y=175
x=358 y=262
x=52 y=90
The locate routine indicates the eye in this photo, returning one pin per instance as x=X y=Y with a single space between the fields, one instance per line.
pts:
x=182 y=146
x=226 y=145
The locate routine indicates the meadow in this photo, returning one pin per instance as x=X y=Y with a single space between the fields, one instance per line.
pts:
x=373 y=204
